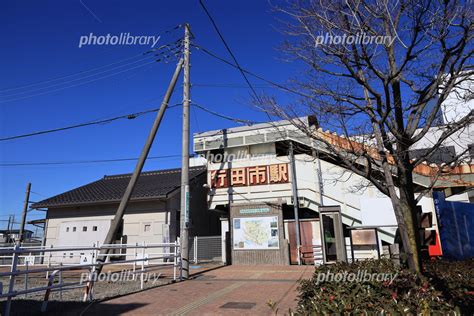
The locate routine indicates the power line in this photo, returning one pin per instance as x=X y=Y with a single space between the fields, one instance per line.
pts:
x=228 y=85
x=85 y=71
x=80 y=83
x=75 y=85
x=125 y=116
x=80 y=78
x=236 y=120
x=94 y=74
x=96 y=122
x=208 y=52
x=70 y=75
x=72 y=162
x=229 y=50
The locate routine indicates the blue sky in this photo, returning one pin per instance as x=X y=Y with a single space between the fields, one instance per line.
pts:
x=40 y=42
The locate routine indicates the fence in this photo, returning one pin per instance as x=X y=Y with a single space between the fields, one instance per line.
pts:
x=205 y=248
x=140 y=256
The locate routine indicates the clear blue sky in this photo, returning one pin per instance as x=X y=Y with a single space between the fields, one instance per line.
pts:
x=39 y=41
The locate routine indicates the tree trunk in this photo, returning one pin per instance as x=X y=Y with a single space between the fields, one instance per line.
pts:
x=410 y=214
x=408 y=232
x=413 y=248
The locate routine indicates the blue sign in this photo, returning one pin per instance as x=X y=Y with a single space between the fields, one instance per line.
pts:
x=456 y=227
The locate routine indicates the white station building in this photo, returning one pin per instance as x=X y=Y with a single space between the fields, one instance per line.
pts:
x=342 y=217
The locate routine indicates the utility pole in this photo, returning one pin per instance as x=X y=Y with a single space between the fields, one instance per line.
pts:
x=115 y=225
x=184 y=220
x=294 y=189
x=23 y=218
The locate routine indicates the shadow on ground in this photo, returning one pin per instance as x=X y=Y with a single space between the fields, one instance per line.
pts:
x=32 y=307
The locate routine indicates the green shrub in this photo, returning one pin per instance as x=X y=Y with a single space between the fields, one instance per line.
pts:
x=408 y=294
x=456 y=280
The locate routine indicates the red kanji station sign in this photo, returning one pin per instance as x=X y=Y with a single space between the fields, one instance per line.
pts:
x=246 y=176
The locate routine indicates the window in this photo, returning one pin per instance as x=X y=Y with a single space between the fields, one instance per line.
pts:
x=84 y=228
x=147 y=227
x=74 y=229
x=94 y=228
x=67 y=229
x=441 y=154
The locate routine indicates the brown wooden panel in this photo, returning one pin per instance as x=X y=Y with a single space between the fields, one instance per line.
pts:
x=306 y=235
x=292 y=239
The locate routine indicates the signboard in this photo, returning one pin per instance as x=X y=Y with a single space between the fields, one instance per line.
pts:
x=255 y=233
x=186 y=205
x=30 y=260
x=364 y=237
x=254 y=210
x=86 y=259
x=140 y=256
x=247 y=176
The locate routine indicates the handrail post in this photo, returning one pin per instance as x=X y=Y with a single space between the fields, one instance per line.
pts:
x=179 y=260
x=49 y=261
x=143 y=266
x=195 y=250
x=60 y=282
x=44 y=305
x=88 y=290
x=174 y=261
x=135 y=262
x=26 y=279
x=11 y=284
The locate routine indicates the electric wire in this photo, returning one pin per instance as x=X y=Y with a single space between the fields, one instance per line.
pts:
x=73 y=162
x=282 y=87
x=236 y=120
x=84 y=71
x=95 y=122
x=97 y=73
x=229 y=50
x=80 y=83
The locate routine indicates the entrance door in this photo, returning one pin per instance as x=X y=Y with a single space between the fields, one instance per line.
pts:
x=334 y=248
x=309 y=231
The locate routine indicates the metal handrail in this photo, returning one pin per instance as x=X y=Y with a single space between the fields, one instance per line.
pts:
x=15 y=254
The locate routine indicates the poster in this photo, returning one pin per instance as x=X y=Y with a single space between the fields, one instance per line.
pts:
x=256 y=233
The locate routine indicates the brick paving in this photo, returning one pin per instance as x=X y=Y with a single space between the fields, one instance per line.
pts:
x=251 y=287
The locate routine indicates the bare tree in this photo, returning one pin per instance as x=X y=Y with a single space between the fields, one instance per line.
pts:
x=378 y=73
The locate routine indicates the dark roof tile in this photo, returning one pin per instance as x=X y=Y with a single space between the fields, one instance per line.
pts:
x=151 y=185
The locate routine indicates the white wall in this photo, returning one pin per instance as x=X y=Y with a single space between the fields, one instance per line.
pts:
x=134 y=222
x=457 y=104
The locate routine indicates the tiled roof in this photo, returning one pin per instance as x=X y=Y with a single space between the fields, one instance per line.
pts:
x=151 y=185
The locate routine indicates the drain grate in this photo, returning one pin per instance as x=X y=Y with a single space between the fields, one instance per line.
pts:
x=239 y=305
x=204 y=277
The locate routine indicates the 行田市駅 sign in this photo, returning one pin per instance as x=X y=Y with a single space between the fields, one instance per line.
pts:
x=246 y=176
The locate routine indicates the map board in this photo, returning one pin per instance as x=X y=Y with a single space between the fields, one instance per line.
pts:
x=256 y=233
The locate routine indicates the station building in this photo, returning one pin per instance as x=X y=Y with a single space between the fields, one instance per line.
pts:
x=247 y=186
x=82 y=216
x=342 y=217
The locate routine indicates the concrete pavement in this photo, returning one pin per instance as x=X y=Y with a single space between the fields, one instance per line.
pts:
x=230 y=290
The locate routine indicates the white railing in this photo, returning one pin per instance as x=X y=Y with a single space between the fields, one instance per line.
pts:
x=142 y=257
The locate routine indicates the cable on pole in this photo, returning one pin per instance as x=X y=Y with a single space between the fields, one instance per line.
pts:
x=96 y=122
x=282 y=87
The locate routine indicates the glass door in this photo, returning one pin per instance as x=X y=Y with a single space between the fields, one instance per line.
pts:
x=332 y=235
